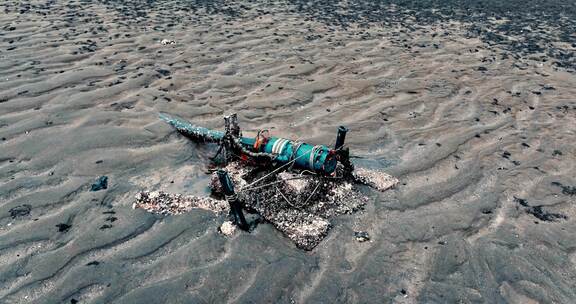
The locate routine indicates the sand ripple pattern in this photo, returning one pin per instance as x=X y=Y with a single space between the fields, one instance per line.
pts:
x=483 y=145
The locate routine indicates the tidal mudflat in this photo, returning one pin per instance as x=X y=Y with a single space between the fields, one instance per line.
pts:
x=471 y=105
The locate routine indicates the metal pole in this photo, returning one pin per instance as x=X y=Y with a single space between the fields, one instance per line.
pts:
x=341 y=137
x=232 y=198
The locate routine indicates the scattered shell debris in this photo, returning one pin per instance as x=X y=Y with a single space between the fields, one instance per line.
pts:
x=375 y=178
x=228 y=228
x=299 y=206
x=170 y=204
x=167 y=41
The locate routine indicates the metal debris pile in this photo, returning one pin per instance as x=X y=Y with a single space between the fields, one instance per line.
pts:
x=298 y=205
x=295 y=186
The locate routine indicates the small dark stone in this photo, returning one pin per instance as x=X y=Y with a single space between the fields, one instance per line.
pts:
x=361 y=236
x=163 y=72
x=482 y=69
x=99 y=161
x=93 y=263
x=521 y=201
x=100 y=184
x=73 y=301
x=106 y=226
x=63 y=227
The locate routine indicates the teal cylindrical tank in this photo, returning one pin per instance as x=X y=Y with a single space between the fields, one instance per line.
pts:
x=314 y=158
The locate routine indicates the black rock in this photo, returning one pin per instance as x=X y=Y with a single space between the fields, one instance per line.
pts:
x=521 y=201
x=100 y=184
x=163 y=72
x=63 y=227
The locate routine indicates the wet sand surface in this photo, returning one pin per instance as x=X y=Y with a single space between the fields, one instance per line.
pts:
x=472 y=106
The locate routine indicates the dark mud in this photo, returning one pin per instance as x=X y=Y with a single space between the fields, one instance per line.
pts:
x=469 y=104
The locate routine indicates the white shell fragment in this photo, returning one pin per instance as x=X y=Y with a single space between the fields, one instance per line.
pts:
x=168 y=203
x=376 y=179
x=228 y=228
x=166 y=42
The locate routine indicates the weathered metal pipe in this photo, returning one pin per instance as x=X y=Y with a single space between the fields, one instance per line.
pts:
x=317 y=158
x=189 y=130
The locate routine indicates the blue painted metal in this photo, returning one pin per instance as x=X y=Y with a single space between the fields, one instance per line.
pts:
x=309 y=157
